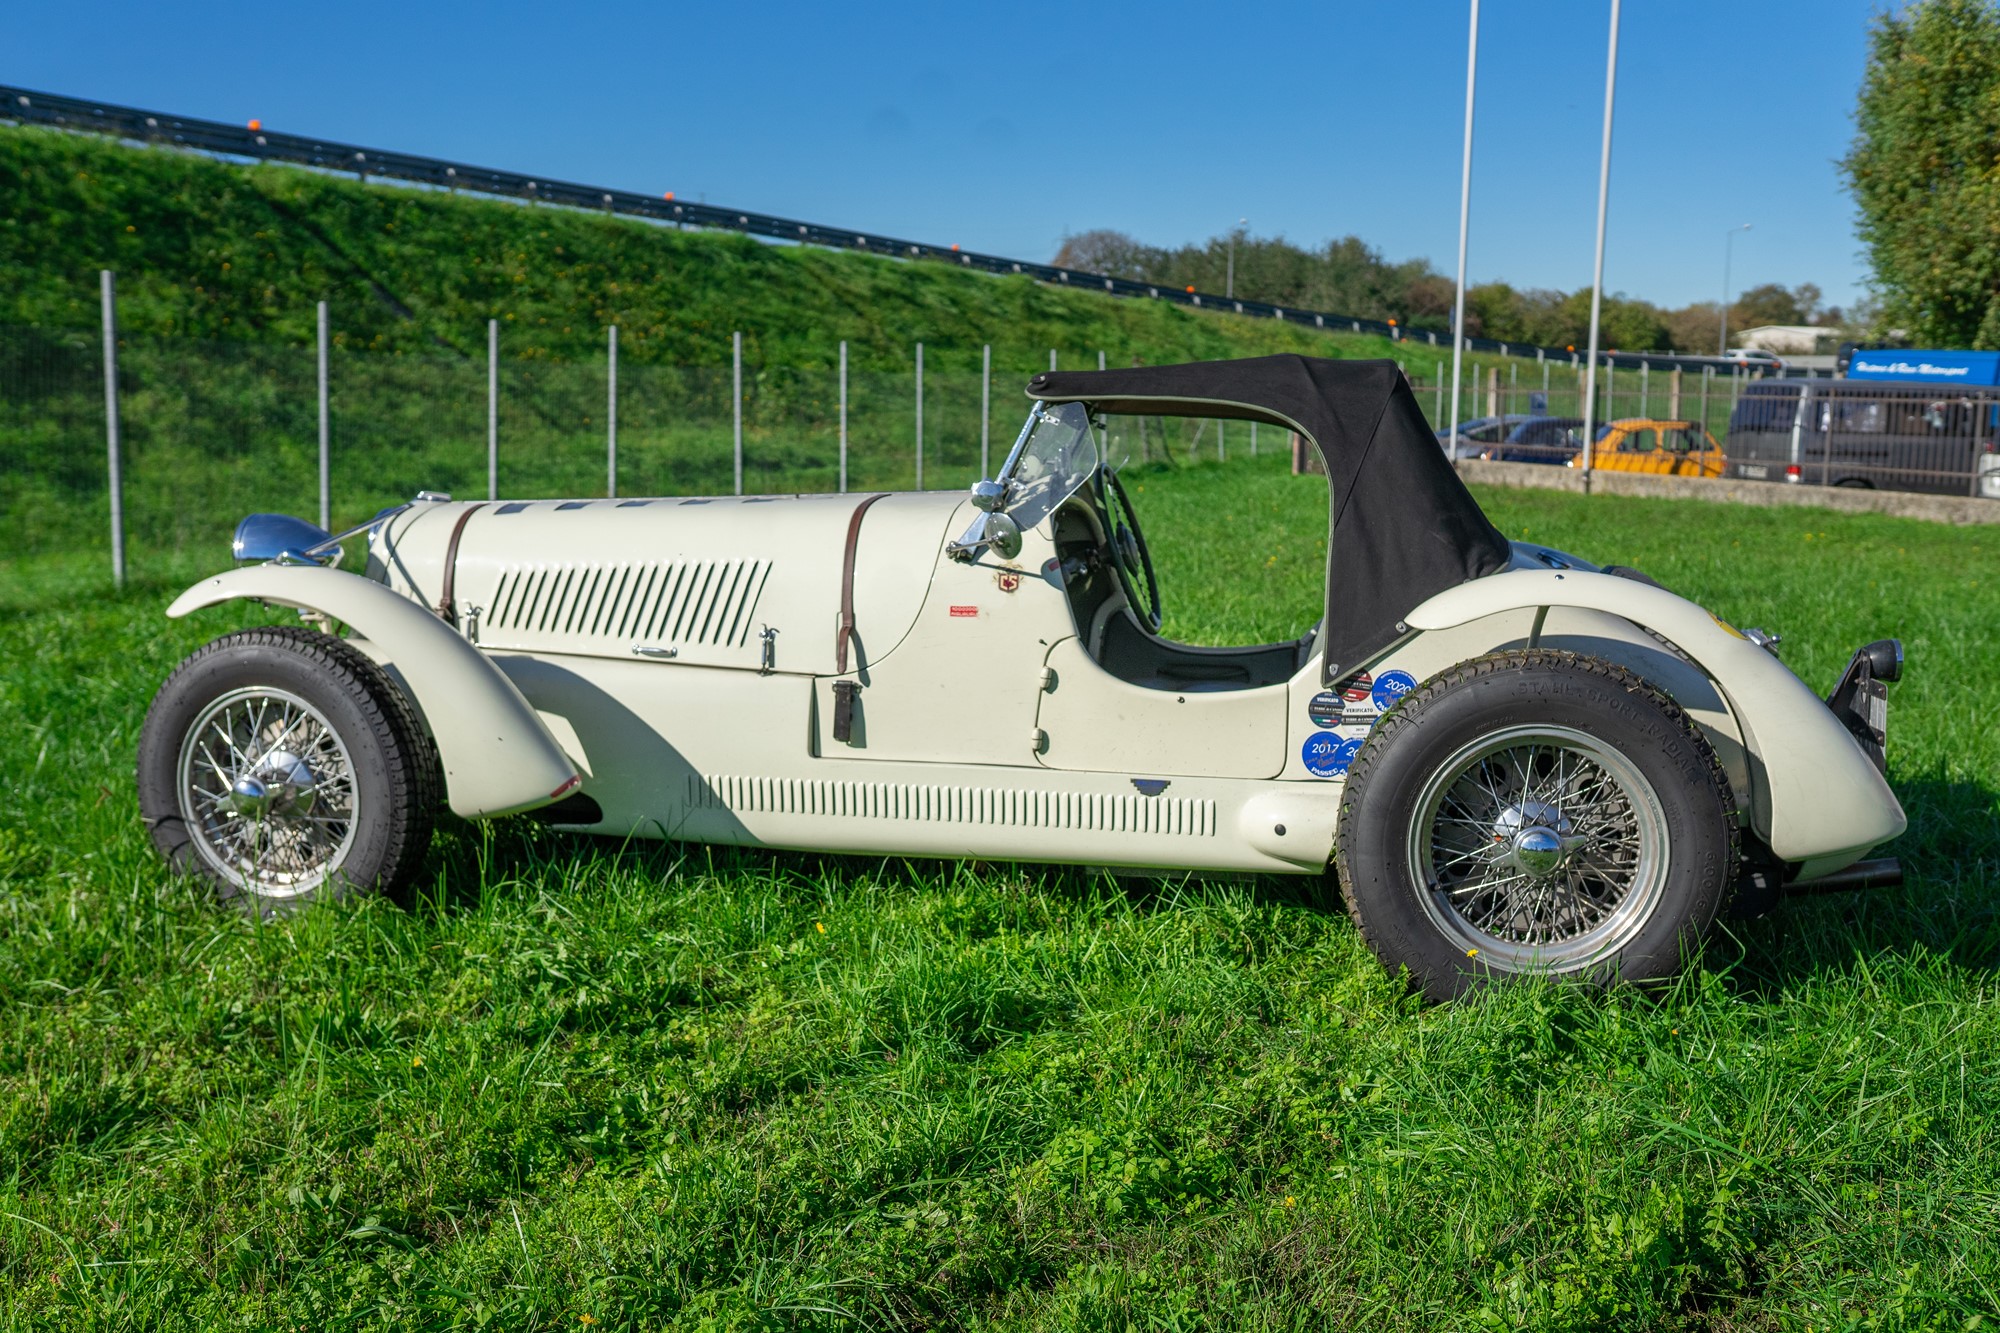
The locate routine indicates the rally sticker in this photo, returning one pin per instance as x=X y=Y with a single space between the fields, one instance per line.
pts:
x=1357 y=689
x=959 y=611
x=1325 y=709
x=1327 y=755
x=1391 y=686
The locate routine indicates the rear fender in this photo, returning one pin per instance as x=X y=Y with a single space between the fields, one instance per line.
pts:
x=1816 y=795
x=498 y=756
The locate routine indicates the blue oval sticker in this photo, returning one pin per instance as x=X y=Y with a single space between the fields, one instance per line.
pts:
x=1327 y=755
x=1389 y=687
x=1319 y=753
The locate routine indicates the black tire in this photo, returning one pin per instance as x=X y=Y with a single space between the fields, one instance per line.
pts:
x=1441 y=863
x=336 y=793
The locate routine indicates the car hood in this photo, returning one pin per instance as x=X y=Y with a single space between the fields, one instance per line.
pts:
x=699 y=580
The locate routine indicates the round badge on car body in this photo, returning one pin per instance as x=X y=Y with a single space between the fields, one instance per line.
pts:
x=1389 y=687
x=1327 y=755
x=1325 y=709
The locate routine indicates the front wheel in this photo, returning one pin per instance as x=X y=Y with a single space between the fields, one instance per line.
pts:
x=284 y=766
x=1535 y=812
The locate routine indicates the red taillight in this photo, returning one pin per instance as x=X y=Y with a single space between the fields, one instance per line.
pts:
x=1793 y=473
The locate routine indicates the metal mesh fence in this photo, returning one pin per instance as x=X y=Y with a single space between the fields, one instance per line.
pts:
x=215 y=430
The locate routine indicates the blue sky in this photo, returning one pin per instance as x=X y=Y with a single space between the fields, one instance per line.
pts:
x=1002 y=128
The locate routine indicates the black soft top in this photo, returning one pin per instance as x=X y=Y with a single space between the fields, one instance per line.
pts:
x=1404 y=526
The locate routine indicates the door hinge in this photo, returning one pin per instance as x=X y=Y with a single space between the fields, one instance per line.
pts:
x=769 y=634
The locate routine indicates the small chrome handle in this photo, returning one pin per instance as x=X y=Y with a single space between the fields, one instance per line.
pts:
x=655 y=650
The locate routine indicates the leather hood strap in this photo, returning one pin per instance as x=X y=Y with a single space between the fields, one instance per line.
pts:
x=846 y=630
x=447 y=608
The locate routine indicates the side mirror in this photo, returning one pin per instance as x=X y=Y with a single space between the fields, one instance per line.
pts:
x=1003 y=534
x=282 y=538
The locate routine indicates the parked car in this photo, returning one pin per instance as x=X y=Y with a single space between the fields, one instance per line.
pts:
x=1517 y=761
x=1540 y=440
x=1753 y=358
x=1478 y=435
x=1874 y=434
x=1517 y=438
x=1647 y=444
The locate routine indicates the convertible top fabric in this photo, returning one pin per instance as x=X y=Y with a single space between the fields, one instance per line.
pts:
x=1404 y=526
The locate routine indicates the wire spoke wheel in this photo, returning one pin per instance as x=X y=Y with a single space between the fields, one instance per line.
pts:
x=1539 y=848
x=268 y=791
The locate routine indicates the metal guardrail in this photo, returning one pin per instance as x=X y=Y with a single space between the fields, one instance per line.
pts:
x=27 y=106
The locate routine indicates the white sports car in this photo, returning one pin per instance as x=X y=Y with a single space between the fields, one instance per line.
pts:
x=1514 y=760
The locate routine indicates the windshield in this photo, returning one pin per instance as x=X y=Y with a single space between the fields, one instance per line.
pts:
x=1056 y=455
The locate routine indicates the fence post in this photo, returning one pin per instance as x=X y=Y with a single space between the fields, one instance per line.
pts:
x=1221 y=443
x=736 y=402
x=1493 y=391
x=1674 y=393
x=985 y=406
x=1052 y=358
x=325 y=478
x=1253 y=439
x=920 y=416
x=611 y=416
x=115 y=478
x=492 y=409
x=1437 y=412
x=1645 y=385
x=1100 y=360
x=843 y=416
x=1707 y=376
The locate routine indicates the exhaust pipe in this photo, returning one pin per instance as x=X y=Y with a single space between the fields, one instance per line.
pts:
x=1882 y=873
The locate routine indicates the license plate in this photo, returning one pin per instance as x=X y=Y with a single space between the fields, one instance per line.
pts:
x=1755 y=471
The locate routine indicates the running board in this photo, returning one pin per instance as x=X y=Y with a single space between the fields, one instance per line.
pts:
x=1883 y=873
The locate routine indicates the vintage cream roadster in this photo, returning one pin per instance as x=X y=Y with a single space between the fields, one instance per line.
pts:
x=1514 y=760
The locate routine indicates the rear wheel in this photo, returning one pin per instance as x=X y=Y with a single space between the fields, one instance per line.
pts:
x=1535 y=812
x=284 y=766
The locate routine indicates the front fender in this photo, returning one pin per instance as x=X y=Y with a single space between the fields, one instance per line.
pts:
x=498 y=756
x=1821 y=796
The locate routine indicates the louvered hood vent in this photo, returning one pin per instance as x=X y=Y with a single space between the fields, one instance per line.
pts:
x=691 y=605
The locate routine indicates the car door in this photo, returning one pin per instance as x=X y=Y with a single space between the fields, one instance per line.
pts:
x=1091 y=720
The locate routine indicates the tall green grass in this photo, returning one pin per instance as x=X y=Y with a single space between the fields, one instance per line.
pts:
x=576 y=1084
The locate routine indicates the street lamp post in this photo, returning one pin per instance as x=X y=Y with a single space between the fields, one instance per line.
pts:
x=1464 y=212
x=1597 y=275
x=1722 y=335
x=1229 y=279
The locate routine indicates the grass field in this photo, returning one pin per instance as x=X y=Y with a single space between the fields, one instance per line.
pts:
x=575 y=1085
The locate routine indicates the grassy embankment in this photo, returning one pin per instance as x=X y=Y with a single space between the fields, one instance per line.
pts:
x=583 y=1085
x=220 y=266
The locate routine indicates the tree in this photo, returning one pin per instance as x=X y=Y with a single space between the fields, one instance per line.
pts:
x=1111 y=253
x=1773 y=303
x=1349 y=277
x=1925 y=170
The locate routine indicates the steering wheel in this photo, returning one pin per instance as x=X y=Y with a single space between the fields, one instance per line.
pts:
x=1129 y=553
